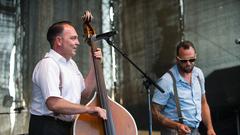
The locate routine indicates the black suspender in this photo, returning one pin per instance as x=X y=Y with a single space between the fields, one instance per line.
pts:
x=60 y=75
x=176 y=98
x=176 y=95
x=60 y=82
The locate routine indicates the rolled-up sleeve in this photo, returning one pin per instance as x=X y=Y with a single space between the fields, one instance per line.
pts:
x=162 y=97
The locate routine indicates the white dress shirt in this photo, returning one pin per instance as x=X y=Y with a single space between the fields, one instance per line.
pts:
x=46 y=83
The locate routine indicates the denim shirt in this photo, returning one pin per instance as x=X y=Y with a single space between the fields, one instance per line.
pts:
x=189 y=96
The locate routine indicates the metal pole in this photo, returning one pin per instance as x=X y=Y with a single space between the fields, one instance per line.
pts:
x=181 y=19
x=238 y=125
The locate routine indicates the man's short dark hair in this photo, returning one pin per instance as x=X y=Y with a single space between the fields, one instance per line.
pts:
x=185 y=45
x=55 y=30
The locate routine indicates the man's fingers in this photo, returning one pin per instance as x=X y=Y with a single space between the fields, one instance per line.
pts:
x=87 y=16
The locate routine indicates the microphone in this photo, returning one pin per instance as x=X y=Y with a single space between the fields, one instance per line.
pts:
x=237 y=41
x=105 y=36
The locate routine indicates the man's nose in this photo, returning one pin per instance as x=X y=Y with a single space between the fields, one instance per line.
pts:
x=189 y=63
x=77 y=42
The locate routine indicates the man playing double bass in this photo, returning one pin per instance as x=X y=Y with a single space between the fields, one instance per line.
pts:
x=58 y=84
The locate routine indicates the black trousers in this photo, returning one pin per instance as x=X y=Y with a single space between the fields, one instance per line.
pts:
x=47 y=125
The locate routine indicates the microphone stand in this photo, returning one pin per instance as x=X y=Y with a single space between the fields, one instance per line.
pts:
x=147 y=82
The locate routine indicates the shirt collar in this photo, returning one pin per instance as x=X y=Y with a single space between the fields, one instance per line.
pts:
x=56 y=56
x=179 y=77
x=177 y=74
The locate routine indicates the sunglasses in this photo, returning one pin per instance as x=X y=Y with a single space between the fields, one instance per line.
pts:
x=185 y=61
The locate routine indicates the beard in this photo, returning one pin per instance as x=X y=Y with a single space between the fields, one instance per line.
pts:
x=186 y=69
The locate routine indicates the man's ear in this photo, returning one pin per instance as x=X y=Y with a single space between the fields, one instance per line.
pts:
x=176 y=59
x=58 y=40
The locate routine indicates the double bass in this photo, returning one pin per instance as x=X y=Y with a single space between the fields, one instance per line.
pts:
x=119 y=120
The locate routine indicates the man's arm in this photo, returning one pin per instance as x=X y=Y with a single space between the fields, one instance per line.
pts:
x=90 y=80
x=62 y=106
x=166 y=122
x=206 y=116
